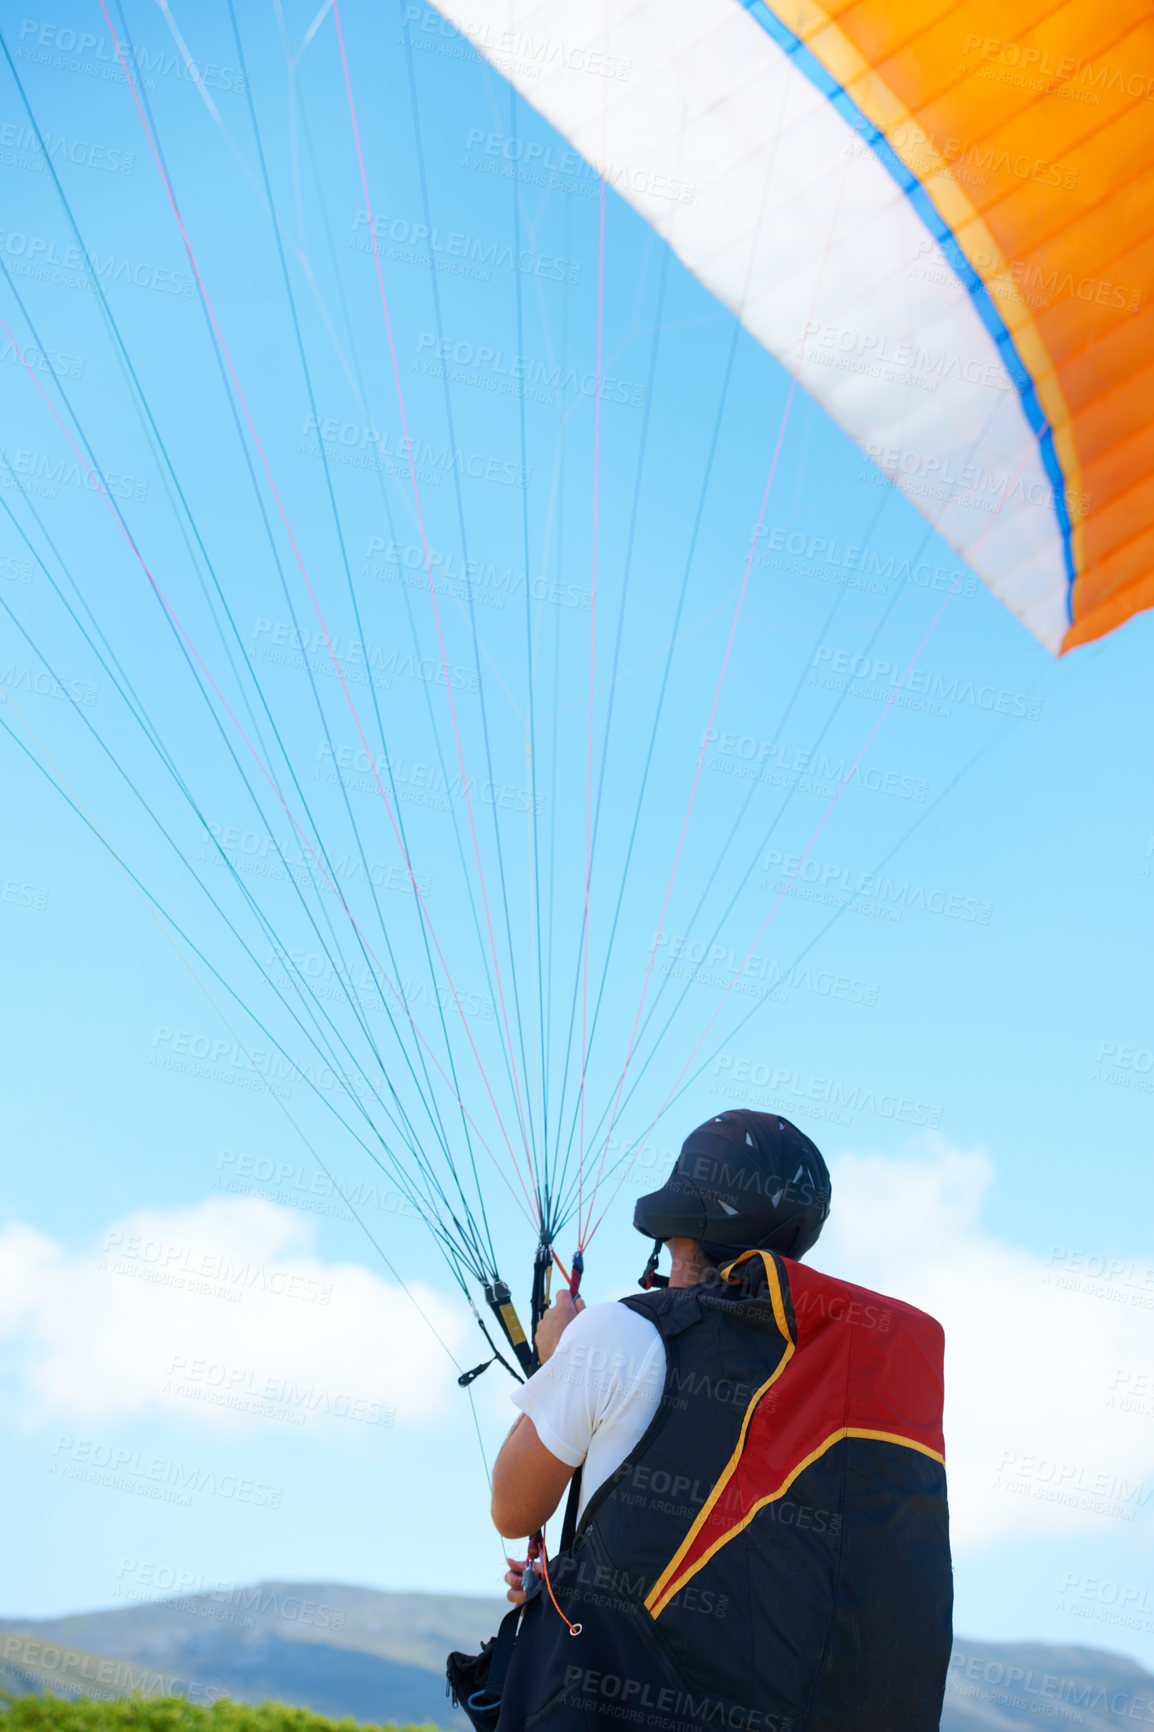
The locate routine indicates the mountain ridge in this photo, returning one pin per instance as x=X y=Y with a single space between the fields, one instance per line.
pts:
x=346 y=1650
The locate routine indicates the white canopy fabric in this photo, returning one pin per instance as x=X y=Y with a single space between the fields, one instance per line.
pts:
x=698 y=115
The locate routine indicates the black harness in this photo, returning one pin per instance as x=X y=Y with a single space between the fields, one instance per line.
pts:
x=773 y=1556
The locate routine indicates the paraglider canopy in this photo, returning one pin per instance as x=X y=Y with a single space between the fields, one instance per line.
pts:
x=971 y=189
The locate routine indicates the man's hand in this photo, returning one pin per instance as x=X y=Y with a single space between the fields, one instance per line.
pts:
x=515 y=1574
x=554 y=1324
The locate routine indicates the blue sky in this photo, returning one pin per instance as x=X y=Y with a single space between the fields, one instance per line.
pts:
x=210 y=1375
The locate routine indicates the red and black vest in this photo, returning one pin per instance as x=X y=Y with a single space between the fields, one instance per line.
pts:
x=773 y=1556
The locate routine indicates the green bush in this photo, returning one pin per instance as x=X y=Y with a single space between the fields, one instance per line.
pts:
x=166 y=1714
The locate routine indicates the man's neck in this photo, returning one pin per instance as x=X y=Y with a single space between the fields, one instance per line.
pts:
x=690 y=1266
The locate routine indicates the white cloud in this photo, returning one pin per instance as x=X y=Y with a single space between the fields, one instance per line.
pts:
x=1041 y=1351
x=220 y=1315
x=223 y=1316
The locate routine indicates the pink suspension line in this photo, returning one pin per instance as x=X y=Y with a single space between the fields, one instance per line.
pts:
x=696 y=779
x=99 y=489
x=911 y=664
x=784 y=423
x=210 y=310
x=432 y=586
x=592 y=664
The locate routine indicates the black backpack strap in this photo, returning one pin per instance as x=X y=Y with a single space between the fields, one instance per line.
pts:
x=569 y=1525
x=671 y=1310
x=502 y=1652
x=475 y=1681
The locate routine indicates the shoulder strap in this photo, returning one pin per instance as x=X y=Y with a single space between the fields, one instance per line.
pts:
x=671 y=1310
x=569 y=1525
x=502 y=1652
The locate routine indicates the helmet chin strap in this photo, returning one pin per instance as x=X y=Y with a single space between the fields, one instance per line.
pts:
x=649 y=1276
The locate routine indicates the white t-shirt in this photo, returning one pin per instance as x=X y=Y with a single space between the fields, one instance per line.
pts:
x=592 y=1402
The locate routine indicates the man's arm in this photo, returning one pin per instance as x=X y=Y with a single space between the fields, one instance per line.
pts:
x=528 y=1479
x=528 y=1482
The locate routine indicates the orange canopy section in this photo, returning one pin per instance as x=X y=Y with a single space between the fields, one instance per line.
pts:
x=1031 y=127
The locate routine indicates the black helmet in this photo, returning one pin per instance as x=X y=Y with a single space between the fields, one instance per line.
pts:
x=743 y=1181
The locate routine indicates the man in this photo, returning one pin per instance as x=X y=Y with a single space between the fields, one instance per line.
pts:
x=759 y=1540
